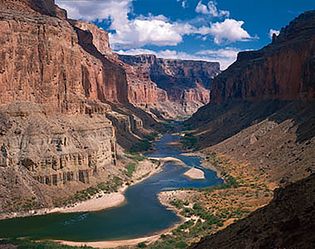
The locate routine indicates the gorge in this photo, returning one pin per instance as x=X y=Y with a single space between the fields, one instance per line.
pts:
x=79 y=122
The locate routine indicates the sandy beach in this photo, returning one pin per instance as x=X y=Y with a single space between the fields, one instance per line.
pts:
x=168 y=159
x=95 y=204
x=195 y=174
x=111 y=244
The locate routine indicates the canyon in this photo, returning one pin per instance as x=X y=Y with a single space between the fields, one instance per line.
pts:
x=260 y=123
x=266 y=98
x=70 y=106
x=172 y=87
x=72 y=111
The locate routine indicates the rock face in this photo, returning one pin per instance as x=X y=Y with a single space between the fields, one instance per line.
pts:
x=58 y=148
x=262 y=82
x=46 y=60
x=283 y=70
x=182 y=84
x=59 y=81
x=287 y=222
x=262 y=115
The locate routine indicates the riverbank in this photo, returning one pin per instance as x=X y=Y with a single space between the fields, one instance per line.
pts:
x=101 y=200
x=212 y=209
x=107 y=244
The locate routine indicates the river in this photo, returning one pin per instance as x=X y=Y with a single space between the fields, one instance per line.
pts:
x=142 y=214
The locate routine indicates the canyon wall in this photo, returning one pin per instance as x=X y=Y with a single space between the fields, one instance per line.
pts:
x=283 y=70
x=58 y=83
x=180 y=85
x=44 y=59
x=266 y=98
x=262 y=116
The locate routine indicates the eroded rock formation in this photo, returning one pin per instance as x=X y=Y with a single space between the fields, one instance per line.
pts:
x=177 y=85
x=58 y=82
x=261 y=115
x=283 y=70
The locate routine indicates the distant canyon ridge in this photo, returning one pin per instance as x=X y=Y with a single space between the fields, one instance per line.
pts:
x=69 y=105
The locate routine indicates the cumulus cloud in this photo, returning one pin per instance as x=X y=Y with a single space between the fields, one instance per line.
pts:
x=224 y=56
x=229 y=30
x=93 y=10
x=273 y=31
x=151 y=30
x=141 y=31
x=211 y=9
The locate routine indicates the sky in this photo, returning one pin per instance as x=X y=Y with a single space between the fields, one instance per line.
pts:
x=188 y=29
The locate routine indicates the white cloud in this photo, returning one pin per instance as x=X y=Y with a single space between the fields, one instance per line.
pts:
x=92 y=10
x=224 y=56
x=273 y=31
x=211 y=9
x=151 y=30
x=229 y=30
x=141 y=31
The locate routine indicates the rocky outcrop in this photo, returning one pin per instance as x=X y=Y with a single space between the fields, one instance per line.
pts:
x=181 y=85
x=261 y=115
x=45 y=7
x=287 y=222
x=56 y=149
x=260 y=83
x=46 y=60
x=100 y=38
x=59 y=81
x=283 y=70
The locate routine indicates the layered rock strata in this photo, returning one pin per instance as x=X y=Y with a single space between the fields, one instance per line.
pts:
x=180 y=85
x=57 y=83
x=283 y=70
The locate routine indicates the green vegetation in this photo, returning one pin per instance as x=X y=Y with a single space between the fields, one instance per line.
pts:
x=143 y=145
x=27 y=244
x=24 y=204
x=142 y=245
x=204 y=220
x=86 y=194
x=189 y=142
x=131 y=167
x=167 y=127
x=135 y=156
x=151 y=137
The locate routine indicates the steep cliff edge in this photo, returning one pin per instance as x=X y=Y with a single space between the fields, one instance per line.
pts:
x=176 y=86
x=283 y=70
x=287 y=222
x=262 y=117
x=61 y=88
x=262 y=107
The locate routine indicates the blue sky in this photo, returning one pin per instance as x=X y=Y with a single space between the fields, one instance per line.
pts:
x=188 y=29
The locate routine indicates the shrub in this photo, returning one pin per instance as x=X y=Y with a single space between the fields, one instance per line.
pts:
x=131 y=167
x=189 y=141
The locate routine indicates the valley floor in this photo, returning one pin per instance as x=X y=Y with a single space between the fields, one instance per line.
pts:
x=204 y=211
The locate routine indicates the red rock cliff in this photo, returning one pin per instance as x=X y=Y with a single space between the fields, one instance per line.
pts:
x=183 y=84
x=55 y=85
x=46 y=60
x=283 y=70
